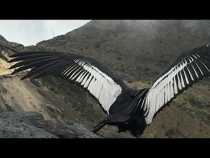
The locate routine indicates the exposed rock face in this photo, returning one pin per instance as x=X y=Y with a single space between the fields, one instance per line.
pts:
x=50 y=98
x=33 y=125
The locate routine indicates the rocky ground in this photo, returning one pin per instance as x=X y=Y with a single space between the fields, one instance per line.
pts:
x=33 y=125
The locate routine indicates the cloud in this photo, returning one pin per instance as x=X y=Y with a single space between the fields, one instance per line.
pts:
x=30 y=32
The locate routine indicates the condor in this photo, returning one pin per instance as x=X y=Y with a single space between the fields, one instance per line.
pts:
x=124 y=107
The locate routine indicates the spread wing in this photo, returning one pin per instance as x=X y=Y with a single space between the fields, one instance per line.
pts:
x=187 y=70
x=88 y=73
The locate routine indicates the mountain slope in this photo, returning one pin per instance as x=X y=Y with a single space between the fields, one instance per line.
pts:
x=139 y=50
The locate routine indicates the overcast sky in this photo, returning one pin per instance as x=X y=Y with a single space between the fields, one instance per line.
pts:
x=30 y=32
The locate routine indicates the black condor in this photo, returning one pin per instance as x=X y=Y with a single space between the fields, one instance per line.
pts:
x=126 y=108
